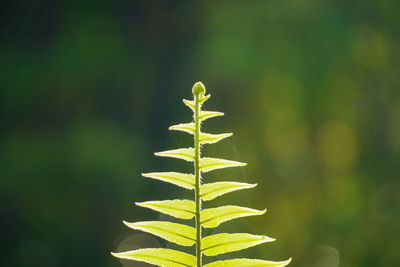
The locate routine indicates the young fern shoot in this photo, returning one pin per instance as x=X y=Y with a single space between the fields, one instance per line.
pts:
x=184 y=235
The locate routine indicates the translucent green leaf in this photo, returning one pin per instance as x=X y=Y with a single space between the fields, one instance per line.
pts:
x=204 y=98
x=210 y=164
x=222 y=243
x=173 y=232
x=180 y=153
x=186 y=209
x=213 y=217
x=183 y=209
x=213 y=190
x=206 y=138
x=189 y=103
x=184 y=127
x=159 y=256
x=209 y=114
x=184 y=180
x=248 y=263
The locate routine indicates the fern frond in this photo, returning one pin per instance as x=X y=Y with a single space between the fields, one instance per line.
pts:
x=180 y=153
x=213 y=217
x=183 y=127
x=184 y=180
x=213 y=190
x=203 y=98
x=223 y=243
x=191 y=104
x=209 y=114
x=185 y=235
x=182 y=209
x=248 y=263
x=206 y=138
x=159 y=256
x=173 y=232
x=210 y=164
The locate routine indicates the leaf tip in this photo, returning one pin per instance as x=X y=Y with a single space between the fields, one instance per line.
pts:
x=263 y=211
x=148 y=175
x=268 y=239
x=287 y=261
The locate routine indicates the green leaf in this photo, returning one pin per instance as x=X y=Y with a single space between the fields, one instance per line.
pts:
x=159 y=256
x=209 y=114
x=204 y=98
x=180 y=153
x=213 y=217
x=184 y=127
x=187 y=209
x=213 y=190
x=173 y=232
x=184 y=180
x=248 y=263
x=182 y=209
x=222 y=243
x=189 y=103
x=210 y=164
x=206 y=138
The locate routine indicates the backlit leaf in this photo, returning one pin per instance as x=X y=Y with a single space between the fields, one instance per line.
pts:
x=189 y=103
x=184 y=180
x=180 y=153
x=204 y=98
x=184 y=127
x=210 y=164
x=159 y=256
x=206 y=138
x=187 y=209
x=173 y=232
x=213 y=190
x=222 y=243
x=209 y=114
x=183 y=209
x=248 y=263
x=213 y=217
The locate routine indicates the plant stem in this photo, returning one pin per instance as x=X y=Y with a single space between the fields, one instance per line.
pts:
x=197 y=178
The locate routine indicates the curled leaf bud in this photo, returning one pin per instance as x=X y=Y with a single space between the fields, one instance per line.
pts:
x=198 y=89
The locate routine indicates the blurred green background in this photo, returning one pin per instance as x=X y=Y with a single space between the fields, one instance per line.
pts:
x=309 y=88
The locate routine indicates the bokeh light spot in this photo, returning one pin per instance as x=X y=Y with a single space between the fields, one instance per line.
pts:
x=370 y=48
x=337 y=148
x=325 y=256
x=281 y=96
x=287 y=143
